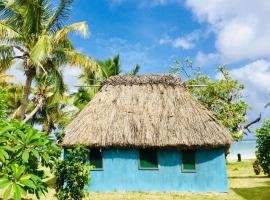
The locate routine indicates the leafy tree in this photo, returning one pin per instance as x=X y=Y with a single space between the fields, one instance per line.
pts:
x=263 y=144
x=37 y=35
x=23 y=150
x=222 y=96
x=72 y=174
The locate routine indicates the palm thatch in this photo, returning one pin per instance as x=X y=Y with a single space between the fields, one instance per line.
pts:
x=145 y=111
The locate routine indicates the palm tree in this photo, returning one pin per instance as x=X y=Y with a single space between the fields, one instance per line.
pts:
x=92 y=80
x=55 y=111
x=31 y=32
x=51 y=105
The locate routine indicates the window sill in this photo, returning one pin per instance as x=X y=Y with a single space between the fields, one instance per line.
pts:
x=148 y=168
x=98 y=169
x=188 y=171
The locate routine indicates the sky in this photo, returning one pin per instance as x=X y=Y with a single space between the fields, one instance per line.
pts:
x=155 y=33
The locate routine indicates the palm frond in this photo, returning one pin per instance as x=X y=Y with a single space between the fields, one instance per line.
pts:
x=6 y=57
x=60 y=17
x=135 y=70
x=57 y=78
x=7 y=33
x=79 y=60
x=42 y=50
x=80 y=28
x=5 y=77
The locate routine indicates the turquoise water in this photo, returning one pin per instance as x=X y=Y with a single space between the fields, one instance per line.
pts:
x=246 y=148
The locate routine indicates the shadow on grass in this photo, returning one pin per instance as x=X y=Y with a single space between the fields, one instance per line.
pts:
x=254 y=193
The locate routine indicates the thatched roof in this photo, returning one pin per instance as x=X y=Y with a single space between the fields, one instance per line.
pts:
x=145 y=111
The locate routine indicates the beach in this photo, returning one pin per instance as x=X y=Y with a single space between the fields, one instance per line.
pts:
x=246 y=148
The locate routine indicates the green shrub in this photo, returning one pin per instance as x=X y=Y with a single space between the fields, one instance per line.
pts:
x=2 y=104
x=256 y=167
x=23 y=150
x=263 y=147
x=72 y=174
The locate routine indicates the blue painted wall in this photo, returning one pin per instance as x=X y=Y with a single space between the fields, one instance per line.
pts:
x=121 y=172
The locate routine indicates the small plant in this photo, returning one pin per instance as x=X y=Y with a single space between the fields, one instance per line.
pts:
x=263 y=144
x=72 y=174
x=256 y=167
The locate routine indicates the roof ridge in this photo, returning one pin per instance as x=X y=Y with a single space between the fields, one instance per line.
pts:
x=164 y=79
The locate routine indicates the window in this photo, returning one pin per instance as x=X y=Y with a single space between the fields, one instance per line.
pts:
x=188 y=161
x=148 y=159
x=96 y=159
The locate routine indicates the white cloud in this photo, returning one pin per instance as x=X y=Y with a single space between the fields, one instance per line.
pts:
x=255 y=74
x=186 y=42
x=256 y=78
x=242 y=27
x=205 y=60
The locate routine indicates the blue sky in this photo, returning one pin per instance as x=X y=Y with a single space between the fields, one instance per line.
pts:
x=154 y=33
x=136 y=30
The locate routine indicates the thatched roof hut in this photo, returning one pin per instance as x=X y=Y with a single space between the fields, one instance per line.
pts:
x=145 y=111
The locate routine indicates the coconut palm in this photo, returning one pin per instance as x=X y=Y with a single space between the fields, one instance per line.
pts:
x=92 y=80
x=13 y=93
x=50 y=106
x=32 y=33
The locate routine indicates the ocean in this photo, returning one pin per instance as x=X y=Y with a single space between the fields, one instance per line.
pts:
x=246 y=148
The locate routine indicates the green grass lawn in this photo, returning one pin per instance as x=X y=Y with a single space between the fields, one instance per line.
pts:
x=243 y=185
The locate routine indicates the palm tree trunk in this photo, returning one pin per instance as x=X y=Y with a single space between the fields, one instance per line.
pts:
x=26 y=93
x=30 y=115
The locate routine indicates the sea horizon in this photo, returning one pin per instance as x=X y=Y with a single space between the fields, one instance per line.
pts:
x=246 y=148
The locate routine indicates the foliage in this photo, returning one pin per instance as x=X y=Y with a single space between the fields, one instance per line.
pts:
x=2 y=104
x=51 y=105
x=222 y=96
x=92 y=80
x=22 y=149
x=263 y=144
x=72 y=174
x=256 y=167
x=14 y=92
x=36 y=34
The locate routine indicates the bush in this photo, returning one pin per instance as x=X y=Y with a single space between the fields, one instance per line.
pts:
x=263 y=144
x=72 y=174
x=2 y=105
x=23 y=150
x=256 y=167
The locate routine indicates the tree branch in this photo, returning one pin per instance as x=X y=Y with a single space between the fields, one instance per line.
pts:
x=19 y=48
x=18 y=57
x=246 y=127
x=253 y=122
